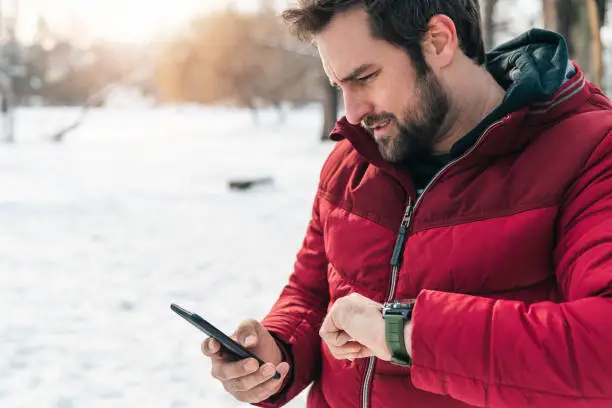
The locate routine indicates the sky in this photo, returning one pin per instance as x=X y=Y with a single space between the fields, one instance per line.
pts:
x=132 y=21
x=143 y=21
x=129 y=21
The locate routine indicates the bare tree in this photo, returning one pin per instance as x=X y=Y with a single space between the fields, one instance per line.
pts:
x=594 y=11
x=488 y=10
x=10 y=61
x=330 y=108
x=330 y=97
x=579 y=21
x=551 y=15
x=96 y=98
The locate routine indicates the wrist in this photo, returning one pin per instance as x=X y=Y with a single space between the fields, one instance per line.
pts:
x=398 y=330
x=283 y=349
x=408 y=337
x=286 y=357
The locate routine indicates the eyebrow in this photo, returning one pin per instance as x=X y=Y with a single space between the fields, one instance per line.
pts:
x=357 y=72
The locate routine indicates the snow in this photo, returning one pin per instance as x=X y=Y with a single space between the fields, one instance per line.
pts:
x=131 y=213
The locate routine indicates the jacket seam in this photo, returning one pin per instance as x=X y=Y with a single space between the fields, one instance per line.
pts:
x=607 y=133
x=354 y=283
x=351 y=209
x=593 y=101
x=501 y=214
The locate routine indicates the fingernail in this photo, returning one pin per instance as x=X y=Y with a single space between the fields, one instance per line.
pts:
x=251 y=365
x=268 y=371
x=283 y=369
x=250 y=340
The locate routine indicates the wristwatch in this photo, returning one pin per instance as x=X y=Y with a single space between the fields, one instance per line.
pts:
x=396 y=314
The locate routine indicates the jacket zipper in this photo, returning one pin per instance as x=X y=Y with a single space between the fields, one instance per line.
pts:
x=398 y=249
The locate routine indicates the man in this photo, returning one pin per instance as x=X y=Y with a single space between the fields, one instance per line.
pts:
x=498 y=177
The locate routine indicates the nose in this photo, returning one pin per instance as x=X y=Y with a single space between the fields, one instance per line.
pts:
x=356 y=107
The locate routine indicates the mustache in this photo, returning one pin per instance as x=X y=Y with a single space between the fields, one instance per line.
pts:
x=371 y=120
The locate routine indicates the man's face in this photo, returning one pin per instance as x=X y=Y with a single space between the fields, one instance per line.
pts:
x=403 y=112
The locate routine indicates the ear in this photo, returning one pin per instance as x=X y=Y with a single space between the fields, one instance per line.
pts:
x=441 y=42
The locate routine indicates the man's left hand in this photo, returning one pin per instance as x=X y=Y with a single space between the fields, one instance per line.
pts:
x=354 y=328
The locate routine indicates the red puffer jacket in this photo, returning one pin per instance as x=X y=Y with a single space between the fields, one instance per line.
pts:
x=509 y=254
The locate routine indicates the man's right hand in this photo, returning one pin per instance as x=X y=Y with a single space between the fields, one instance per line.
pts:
x=244 y=379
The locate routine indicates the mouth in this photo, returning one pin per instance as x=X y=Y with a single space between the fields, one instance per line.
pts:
x=380 y=129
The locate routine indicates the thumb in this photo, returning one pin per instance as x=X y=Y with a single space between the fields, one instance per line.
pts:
x=249 y=333
x=342 y=338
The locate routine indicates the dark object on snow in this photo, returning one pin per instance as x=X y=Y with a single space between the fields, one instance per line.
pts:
x=246 y=184
x=60 y=134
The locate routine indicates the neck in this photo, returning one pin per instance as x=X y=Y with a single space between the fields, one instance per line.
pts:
x=476 y=95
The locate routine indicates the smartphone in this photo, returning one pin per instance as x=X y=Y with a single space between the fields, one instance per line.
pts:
x=232 y=349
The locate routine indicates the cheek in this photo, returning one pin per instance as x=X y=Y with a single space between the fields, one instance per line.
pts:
x=397 y=101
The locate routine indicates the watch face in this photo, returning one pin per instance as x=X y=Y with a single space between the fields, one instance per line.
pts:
x=396 y=308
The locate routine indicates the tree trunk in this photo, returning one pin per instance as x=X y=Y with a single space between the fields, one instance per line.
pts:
x=489 y=23
x=280 y=110
x=579 y=21
x=330 y=110
x=550 y=15
x=602 y=9
x=595 y=41
x=8 y=117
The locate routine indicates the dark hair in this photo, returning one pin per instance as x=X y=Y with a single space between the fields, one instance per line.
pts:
x=399 y=22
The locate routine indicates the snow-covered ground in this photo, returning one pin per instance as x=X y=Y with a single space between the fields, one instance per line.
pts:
x=101 y=233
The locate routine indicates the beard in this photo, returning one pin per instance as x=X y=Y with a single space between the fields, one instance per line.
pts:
x=422 y=124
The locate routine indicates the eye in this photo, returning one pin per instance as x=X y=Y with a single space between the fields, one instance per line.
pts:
x=366 y=78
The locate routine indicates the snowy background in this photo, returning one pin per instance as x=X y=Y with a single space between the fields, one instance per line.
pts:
x=132 y=212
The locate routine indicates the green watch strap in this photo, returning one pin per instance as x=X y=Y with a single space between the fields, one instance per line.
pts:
x=394 y=334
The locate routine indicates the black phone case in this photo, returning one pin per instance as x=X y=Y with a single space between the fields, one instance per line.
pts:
x=232 y=349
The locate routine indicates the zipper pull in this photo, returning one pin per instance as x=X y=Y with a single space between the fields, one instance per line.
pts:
x=396 y=258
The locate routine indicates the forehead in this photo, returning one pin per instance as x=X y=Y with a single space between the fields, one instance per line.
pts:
x=347 y=43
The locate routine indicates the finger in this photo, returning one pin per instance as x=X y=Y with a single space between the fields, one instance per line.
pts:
x=229 y=370
x=328 y=326
x=265 y=389
x=248 y=333
x=364 y=353
x=335 y=338
x=250 y=381
x=211 y=348
x=353 y=347
x=340 y=339
x=349 y=348
x=338 y=355
x=344 y=352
